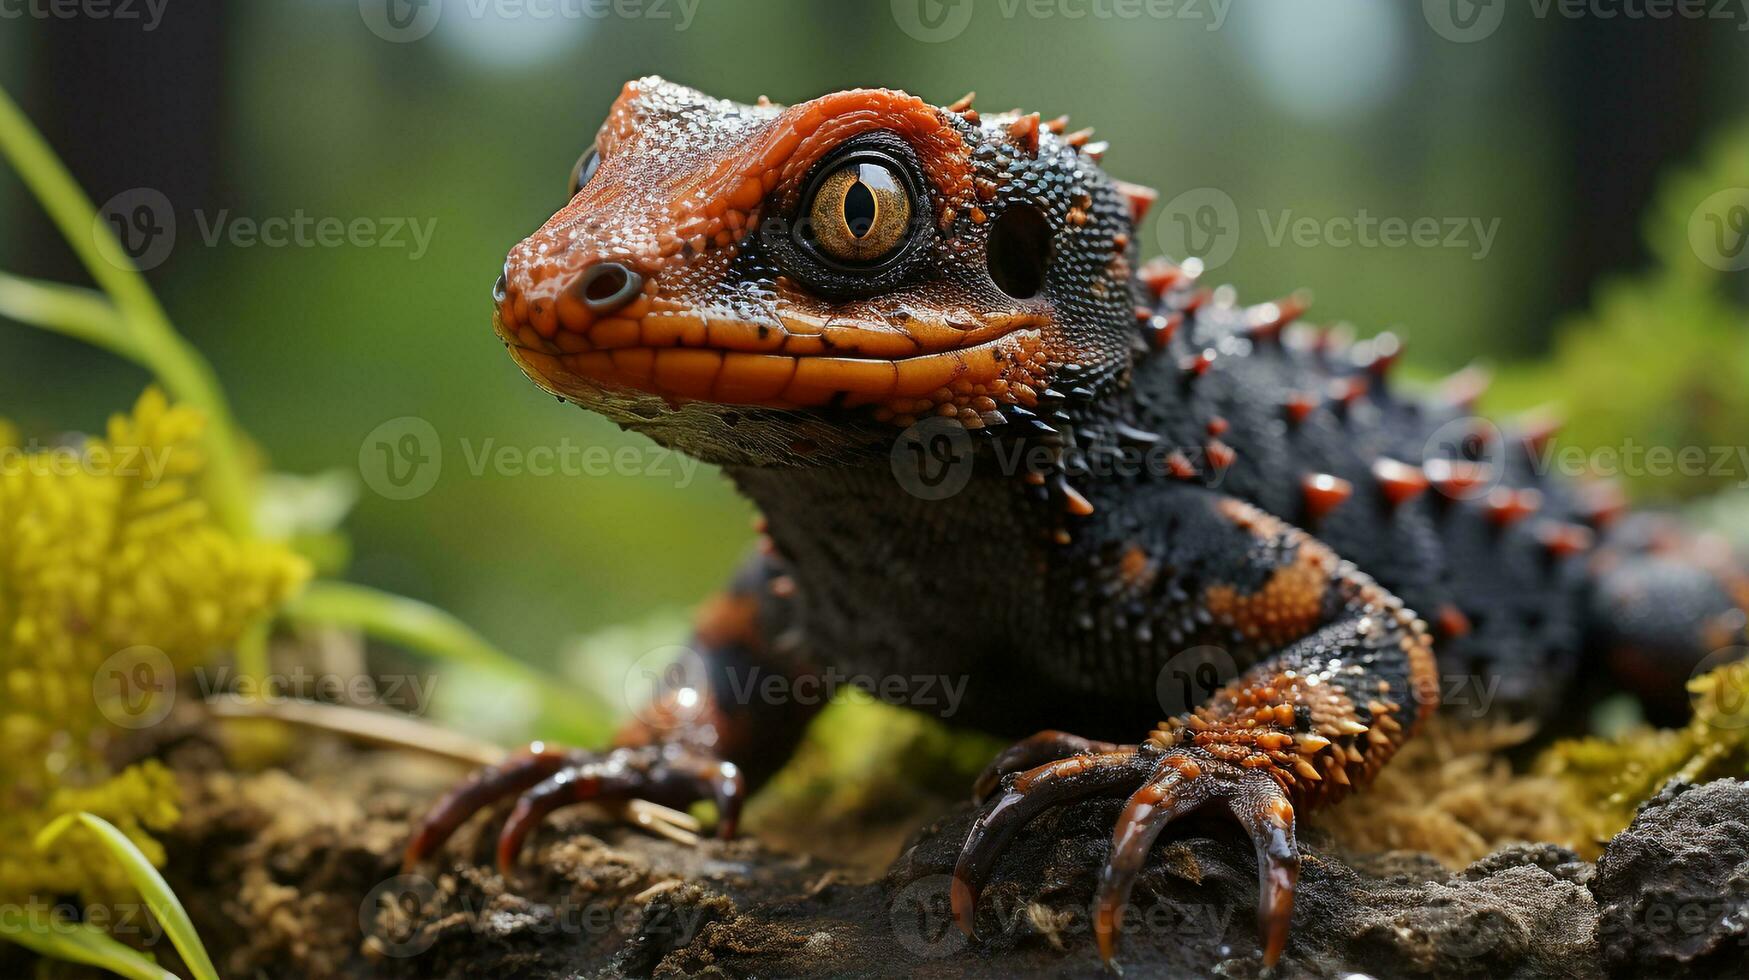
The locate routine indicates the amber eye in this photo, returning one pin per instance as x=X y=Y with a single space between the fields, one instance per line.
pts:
x=584 y=169
x=860 y=212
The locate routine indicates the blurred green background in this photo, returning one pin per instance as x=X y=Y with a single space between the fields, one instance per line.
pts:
x=1559 y=128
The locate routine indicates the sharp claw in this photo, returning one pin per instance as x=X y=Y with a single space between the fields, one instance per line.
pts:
x=1030 y=793
x=514 y=775
x=550 y=778
x=965 y=905
x=578 y=784
x=1173 y=785
x=729 y=790
x=1164 y=798
x=1270 y=821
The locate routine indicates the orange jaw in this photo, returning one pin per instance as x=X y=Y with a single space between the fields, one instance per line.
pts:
x=693 y=331
x=925 y=367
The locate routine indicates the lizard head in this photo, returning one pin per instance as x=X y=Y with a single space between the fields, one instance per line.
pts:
x=766 y=285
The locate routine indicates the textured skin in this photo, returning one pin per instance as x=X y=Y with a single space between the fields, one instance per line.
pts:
x=1176 y=506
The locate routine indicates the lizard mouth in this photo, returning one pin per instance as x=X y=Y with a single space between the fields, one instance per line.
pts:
x=907 y=367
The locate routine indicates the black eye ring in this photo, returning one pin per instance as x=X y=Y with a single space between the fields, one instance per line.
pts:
x=584 y=169
x=807 y=239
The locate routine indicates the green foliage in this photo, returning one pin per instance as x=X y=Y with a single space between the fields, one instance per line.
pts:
x=115 y=578
x=1662 y=357
x=1607 y=779
x=58 y=938
x=160 y=544
x=165 y=906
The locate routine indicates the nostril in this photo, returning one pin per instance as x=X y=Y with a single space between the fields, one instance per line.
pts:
x=607 y=286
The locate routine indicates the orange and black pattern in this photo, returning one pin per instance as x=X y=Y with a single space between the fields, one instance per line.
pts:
x=815 y=297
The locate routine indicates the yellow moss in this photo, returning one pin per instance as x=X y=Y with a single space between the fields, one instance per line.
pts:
x=1603 y=781
x=1450 y=793
x=105 y=548
x=861 y=779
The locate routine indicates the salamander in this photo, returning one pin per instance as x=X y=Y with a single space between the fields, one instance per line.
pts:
x=1199 y=553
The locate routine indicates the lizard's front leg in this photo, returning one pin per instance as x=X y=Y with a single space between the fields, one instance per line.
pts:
x=701 y=738
x=1351 y=677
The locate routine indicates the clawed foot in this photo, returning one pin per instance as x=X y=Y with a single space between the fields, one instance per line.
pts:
x=544 y=778
x=1164 y=783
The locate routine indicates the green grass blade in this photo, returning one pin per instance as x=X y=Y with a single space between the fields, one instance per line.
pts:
x=153 y=889
x=184 y=373
x=82 y=314
x=83 y=943
x=423 y=627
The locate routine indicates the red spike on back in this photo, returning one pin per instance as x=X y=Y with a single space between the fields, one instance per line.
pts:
x=1079 y=137
x=1463 y=389
x=1601 y=503
x=1058 y=124
x=962 y=103
x=1506 y=506
x=1538 y=427
x=1386 y=348
x=1140 y=199
x=1161 y=328
x=1198 y=364
x=1452 y=622
x=1220 y=455
x=1024 y=132
x=1457 y=478
x=1562 y=540
x=1344 y=392
x=1298 y=406
x=1180 y=466
x=1160 y=274
x=1398 y=482
x=1323 y=493
x=1269 y=318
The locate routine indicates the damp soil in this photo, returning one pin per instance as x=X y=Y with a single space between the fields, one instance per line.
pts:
x=295 y=872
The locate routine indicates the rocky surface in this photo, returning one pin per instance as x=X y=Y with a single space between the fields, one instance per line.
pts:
x=1673 y=889
x=300 y=882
